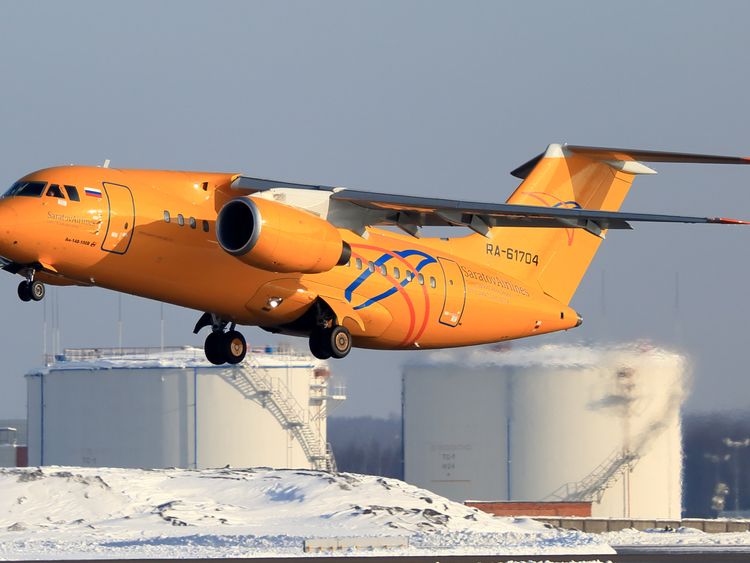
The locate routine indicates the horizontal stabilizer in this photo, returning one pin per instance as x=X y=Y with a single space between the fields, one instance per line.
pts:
x=612 y=156
x=655 y=156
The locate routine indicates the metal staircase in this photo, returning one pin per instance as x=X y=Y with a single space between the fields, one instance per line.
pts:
x=593 y=486
x=275 y=396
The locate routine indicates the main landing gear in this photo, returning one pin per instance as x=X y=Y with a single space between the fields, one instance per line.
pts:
x=222 y=347
x=330 y=342
x=31 y=289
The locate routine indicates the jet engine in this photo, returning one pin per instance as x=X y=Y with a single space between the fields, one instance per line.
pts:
x=279 y=238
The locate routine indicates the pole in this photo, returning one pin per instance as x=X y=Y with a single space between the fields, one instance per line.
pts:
x=44 y=332
x=161 y=306
x=56 y=333
x=119 y=321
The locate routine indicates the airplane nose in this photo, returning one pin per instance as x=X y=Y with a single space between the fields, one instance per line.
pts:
x=8 y=227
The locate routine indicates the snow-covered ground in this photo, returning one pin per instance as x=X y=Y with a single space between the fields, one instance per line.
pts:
x=681 y=537
x=66 y=512
x=74 y=513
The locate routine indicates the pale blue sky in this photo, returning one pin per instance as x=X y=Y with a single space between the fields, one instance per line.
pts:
x=425 y=98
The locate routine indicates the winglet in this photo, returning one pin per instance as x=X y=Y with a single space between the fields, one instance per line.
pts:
x=725 y=221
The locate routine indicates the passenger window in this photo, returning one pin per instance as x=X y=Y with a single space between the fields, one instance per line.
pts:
x=192 y=223
x=409 y=275
x=433 y=283
x=167 y=218
x=205 y=226
x=55 y=191
x=383 y=270
x=371 y=266
x=180 y=220
x=396 y=272
x=30 y=189
x=420 y=278
x=358 y=263
x=72 y=193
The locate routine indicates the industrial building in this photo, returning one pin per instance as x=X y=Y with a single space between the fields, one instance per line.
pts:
x=13 y=451
x=152 y=408
x=552 y=423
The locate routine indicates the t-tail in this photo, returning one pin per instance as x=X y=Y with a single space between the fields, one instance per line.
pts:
x=566 y=176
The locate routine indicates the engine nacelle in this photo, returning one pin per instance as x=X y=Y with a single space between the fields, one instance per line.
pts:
x=279 y=238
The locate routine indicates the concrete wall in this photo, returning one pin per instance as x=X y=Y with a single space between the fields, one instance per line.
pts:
x=602 y=525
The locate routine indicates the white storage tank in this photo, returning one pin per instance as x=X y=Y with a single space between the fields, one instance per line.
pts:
x=547 y=424
x=149 y=409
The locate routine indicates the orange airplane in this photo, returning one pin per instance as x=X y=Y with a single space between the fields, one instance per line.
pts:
x=308 y=260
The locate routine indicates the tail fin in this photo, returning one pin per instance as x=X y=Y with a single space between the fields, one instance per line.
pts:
x=562 y=178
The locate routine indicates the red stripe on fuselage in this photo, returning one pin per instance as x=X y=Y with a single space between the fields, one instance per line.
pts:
x=400 y=289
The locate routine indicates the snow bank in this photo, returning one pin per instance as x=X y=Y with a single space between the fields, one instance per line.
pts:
x=127 y=513
x=680 y=537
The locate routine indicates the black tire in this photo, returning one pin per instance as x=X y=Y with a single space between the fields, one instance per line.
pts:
x=320 y=346
x=234 y=347
x=213 y=348
x=36 y=290
x=24 y=292
x=340 y=342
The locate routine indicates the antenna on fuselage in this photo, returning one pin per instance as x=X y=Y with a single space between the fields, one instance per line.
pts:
x=106 y=163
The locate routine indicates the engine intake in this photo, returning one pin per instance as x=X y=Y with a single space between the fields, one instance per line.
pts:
x=279 y=238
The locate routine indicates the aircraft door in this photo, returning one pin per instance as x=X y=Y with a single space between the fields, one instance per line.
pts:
x=121 y=218
x=455 y=293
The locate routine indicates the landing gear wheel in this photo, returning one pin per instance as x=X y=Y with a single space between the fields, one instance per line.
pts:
x=340 y=341
x=333 y=342
x=320 y=344
x=36 y=290
x=233 y=347
x=213 y=348
x=24 y=291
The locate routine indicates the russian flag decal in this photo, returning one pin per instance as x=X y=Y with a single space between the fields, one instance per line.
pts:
x=92 y=192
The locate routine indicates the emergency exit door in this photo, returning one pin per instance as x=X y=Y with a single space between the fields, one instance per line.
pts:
x=121 y=209
x=455 y=293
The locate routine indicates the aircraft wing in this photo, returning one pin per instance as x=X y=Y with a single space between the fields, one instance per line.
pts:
x=412 y=212
x=355 y=208
x=420 y=211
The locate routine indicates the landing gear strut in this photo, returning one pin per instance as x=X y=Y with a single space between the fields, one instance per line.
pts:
x=31 y=289
x=330 y=342
x=222 y=347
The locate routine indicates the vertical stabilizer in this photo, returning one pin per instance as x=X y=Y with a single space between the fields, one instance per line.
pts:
x=561 y=178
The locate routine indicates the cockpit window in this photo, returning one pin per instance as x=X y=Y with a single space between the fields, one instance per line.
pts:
x=55 y=191
x=30 y=189
x=72 y=193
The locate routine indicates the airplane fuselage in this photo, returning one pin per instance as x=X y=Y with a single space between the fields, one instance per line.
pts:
x=152 y=234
